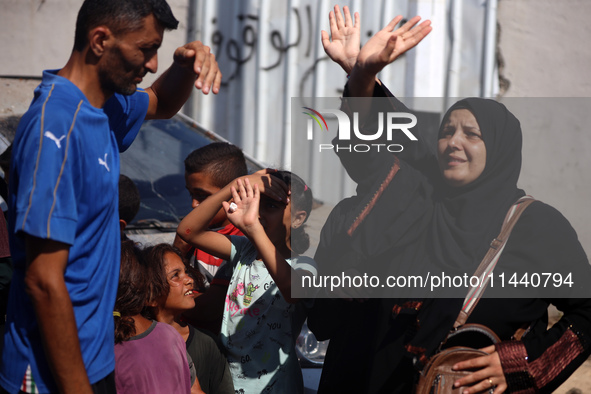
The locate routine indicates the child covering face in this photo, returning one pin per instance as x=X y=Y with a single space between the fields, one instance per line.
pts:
x=261 y=319
x=207 y=170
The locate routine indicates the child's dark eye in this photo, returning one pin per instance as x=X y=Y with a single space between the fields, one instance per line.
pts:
x=274 y=205
x=175 y=279
x=199 y=197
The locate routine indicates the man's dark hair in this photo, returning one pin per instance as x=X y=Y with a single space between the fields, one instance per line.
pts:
x=222 y=161
x=120 y=16
x=129 y=199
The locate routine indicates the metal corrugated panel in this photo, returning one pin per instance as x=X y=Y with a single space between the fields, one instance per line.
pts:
x=270 y=54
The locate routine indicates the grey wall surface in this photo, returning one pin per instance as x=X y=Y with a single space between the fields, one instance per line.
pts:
x=39 y=34
x=544 y=45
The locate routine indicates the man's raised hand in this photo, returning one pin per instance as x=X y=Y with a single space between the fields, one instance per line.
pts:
x=203 y=63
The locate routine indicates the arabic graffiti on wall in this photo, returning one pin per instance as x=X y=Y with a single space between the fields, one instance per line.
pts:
x=241 y=50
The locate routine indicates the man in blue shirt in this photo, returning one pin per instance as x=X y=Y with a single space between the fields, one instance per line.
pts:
x=64 y=224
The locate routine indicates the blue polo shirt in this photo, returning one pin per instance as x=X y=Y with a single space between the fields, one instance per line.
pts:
x=63 y=186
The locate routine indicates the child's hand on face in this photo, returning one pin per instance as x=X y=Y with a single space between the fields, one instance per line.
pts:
x=269 y=185
x=244 y=213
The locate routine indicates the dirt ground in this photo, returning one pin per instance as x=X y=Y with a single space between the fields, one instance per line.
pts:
x=579 y=382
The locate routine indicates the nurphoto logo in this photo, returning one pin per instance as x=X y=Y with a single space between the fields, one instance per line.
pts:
x=388 y=122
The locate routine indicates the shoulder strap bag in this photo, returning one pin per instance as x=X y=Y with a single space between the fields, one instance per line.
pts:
x=437 y=377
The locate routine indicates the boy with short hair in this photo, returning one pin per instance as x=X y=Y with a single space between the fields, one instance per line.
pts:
x=207 y=170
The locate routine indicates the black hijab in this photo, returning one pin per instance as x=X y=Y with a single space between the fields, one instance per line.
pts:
x=416 y=221
x=467 y=218
x=437 y=225
x=449 y=227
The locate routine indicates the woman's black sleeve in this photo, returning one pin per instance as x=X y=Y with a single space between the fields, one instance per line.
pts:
x=364 y=167
x=544 y=360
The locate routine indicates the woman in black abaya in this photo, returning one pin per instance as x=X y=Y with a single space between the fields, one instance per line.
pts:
x=441 y=210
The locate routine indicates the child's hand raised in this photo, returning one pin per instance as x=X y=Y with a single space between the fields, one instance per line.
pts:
x=244 y=214
x=269 y=185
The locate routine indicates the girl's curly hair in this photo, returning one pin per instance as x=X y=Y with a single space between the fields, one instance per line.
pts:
x=131 y=294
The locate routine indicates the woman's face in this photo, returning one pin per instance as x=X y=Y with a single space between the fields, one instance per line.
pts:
x=461 y=152
x=181 y=296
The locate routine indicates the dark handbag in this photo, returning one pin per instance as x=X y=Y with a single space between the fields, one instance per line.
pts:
x=437 y=377
x=440 y=378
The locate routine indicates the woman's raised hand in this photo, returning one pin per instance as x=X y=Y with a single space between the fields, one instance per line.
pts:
x=344 y=46
x=488 y=373
x=388 y=44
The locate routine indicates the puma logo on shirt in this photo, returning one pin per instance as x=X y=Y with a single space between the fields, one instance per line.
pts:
x=58 y=141
x=104 y=162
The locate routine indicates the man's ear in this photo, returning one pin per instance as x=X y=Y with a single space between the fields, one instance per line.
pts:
x=298 y=219
x=98 y=39
x=122 y=224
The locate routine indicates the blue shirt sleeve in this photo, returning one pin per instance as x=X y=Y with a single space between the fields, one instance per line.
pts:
x=47 y=173
x=126 y=115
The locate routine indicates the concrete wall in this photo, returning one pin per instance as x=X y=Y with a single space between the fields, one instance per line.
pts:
x=545 y=44
x=39 y=34
x=545 y=47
